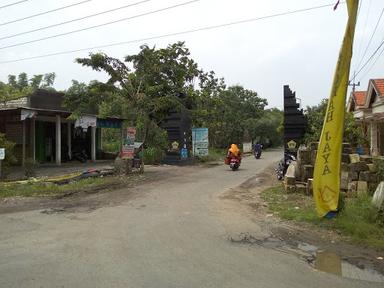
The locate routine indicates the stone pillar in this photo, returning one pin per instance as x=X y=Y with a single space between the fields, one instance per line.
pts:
x=58 y=140
x=24 y=140
x=33 y=139
x=69 y=140
x=93 y=143
x=374 y=142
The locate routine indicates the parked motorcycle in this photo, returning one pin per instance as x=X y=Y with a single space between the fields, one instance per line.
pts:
x=283 y=165
x=80 y=155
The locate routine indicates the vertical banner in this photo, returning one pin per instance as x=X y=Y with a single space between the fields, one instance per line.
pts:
x=128 y=150
x=326 y=179
x=200 y=141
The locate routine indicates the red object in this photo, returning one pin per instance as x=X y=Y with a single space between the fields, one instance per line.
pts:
x=227 y=160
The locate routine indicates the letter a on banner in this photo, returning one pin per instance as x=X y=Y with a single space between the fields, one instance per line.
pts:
x=326 y=179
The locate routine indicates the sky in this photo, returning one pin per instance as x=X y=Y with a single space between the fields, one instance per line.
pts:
x=298 y=49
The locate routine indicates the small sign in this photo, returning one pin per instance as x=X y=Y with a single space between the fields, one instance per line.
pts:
x=291 y=145
x=2 y=153
x=128 y=150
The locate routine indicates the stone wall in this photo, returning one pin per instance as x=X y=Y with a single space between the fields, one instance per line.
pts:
x=358 y=174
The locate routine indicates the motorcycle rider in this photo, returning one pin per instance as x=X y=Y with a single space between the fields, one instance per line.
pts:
x=234 y=151
x=257 y=149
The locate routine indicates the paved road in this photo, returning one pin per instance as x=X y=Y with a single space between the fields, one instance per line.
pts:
x=172 y=233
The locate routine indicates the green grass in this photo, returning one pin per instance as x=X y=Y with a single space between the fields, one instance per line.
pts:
x=214 y=154
x=31 y=189
x=358 y=220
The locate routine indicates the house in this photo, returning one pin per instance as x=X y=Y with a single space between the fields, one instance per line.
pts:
x=368 y=109
x=42 y=130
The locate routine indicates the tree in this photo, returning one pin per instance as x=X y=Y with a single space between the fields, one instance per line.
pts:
x=157 y=81
x=353 y=132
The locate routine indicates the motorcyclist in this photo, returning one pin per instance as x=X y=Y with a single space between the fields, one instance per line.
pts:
x=234 y=151
x=257 y=149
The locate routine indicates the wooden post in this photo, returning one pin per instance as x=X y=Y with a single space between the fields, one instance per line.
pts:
x=33 y=139
x=69 y=140
x=93 y=143
x=58 y=140
x=23 y=148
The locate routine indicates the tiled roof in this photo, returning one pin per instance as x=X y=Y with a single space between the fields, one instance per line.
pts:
x=379 y=85
x=360 y=97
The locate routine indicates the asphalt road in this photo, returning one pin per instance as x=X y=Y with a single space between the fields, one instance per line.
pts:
x=173 y=233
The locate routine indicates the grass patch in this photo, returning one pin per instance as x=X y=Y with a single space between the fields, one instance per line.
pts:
x=214 y=154
x=359 y=220
x=31 y=189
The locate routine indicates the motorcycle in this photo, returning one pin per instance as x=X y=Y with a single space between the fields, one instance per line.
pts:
x=234 y=163
x=283 y=165
x=257 y=154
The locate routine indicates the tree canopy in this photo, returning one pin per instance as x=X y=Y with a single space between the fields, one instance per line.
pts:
x=145 y=87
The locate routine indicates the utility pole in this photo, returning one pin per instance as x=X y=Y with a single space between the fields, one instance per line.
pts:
x=353 y=83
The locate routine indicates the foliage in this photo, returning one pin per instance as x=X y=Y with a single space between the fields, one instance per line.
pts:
x=215 y=154
x=353 y=132
x=152 y=155
x=31 y=188
x=146 y=87
x=21 y=86
x=111 y=139
x=379 y=167
x=359 y=219
x=161 y=81
x=230 y=113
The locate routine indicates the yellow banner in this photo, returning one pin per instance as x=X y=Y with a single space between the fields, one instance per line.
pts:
x=326 y=179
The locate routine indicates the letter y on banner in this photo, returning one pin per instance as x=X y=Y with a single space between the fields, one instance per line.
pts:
x=326 y=179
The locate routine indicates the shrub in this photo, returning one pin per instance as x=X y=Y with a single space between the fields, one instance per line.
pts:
x=152 y=155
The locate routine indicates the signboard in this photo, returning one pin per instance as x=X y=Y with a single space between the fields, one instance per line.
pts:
x=200 y=141
x=128 y=150
x=86 y=121
x=2 y=153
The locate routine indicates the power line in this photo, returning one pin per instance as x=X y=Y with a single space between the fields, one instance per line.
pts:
x=12 y=4
x=73 y=20
x=43 y=13
x=365 y=24
x=171 y=34
x=373 y=65
x=100 y=25
x=370 y=58
x=370 y=39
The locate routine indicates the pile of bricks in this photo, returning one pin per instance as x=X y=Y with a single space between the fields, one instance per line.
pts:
x=358 y=174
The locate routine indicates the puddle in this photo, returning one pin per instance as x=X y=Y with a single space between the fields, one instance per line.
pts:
x=321 y=260
x=332 y=263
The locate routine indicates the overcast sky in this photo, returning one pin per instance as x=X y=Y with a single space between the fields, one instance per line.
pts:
x=299 y=49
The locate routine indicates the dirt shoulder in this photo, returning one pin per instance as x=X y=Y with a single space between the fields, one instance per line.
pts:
x=288 y=235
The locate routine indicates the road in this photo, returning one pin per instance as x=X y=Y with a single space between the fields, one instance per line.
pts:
x=172 y=232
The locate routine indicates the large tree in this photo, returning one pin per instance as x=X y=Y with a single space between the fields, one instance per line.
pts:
x=143 y=88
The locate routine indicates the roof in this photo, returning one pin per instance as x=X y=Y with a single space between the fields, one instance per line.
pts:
x=379 y=85
x=360 y=97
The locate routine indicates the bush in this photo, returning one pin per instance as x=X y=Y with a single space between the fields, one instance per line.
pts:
x=152 y=155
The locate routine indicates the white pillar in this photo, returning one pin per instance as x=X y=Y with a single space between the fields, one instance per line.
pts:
x=93 y=143
x=374 y=142
x=23 y=148
x=33 y=138
x=69 y=140
x=58 y=139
